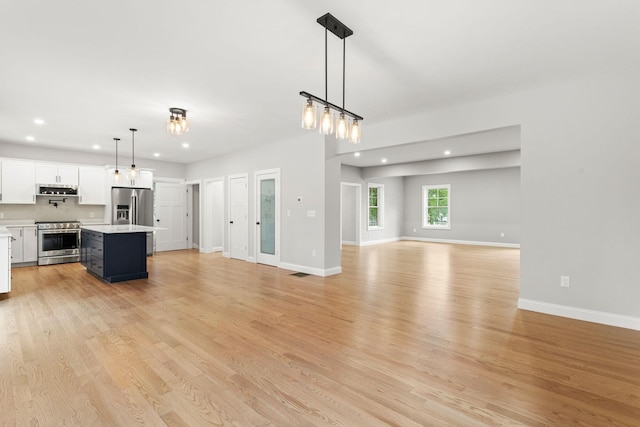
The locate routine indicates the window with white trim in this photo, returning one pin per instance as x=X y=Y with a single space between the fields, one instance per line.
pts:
x=376 y=206
x=436 y=206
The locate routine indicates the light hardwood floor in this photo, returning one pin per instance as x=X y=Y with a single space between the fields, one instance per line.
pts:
x=409 y=334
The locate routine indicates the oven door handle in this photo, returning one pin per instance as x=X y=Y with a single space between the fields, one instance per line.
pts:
x=61 y=231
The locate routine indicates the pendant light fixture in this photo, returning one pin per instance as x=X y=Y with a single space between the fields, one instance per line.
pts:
x=348 y=124
x=177 y=123
x=116 y=173
x=132 y=171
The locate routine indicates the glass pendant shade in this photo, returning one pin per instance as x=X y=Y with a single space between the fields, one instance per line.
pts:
x=342 y=128
x=309 y=115
x=116 y=175
x=177 y=123
x=354 y=134
x=133 y=172
x=326 y=122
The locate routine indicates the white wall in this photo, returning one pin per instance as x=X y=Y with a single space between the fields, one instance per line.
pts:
x=484 y=204
x=579 y=177
x=302 y=167
x=393 y=205
x=349 y=209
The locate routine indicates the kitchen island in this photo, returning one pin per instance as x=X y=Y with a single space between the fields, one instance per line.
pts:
x=115 y=253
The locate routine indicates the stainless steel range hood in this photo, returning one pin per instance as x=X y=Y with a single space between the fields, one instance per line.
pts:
x=56 y=190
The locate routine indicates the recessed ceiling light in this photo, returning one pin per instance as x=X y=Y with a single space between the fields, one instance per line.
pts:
x=357 y=154
x=156 y=154
x=185 y=145
x=446 y=153
x=96 y=147
x=384 y=160
x=30 y=138
x=39 y=122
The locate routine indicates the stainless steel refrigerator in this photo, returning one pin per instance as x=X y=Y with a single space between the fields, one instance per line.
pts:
x=133 y=206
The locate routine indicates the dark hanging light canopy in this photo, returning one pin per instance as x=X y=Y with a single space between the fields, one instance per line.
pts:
x=348 y=125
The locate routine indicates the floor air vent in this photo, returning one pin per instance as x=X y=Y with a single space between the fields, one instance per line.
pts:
x=300 y=274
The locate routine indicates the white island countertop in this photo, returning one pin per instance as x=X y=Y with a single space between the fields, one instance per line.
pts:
x=126 y=228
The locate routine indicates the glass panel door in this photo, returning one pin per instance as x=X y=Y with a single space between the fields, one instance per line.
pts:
x=268 y=216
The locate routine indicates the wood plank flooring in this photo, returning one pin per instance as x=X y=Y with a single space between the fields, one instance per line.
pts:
x=410 y=333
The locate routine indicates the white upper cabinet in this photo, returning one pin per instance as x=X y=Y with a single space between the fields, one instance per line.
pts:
x=51 y=173
x=91 y=186
x=144 y=179
x=18 y=182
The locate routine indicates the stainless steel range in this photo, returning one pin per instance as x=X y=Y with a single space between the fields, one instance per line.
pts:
x=58 y=242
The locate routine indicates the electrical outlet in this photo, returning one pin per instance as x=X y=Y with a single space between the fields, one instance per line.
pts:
x=313 y=252
x=414 y=230
x=502 y=234
x=565 y=281
x=1 y=215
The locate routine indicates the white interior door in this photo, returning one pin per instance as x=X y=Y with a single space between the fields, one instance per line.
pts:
x=268 y=217
x=213 y=215
x=238 y=217
x=170 y=210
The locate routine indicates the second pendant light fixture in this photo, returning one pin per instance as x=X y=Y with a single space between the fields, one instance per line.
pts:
x=133 y=172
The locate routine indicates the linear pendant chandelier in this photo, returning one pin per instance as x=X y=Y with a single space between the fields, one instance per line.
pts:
x=348 y=123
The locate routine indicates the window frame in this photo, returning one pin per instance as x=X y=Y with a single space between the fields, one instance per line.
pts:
x=379 y=206
x=425 y=207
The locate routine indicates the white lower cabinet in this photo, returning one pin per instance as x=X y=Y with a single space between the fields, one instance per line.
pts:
x=24 y=244
x=5 y=263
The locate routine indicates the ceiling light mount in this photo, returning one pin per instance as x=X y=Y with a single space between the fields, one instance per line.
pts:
x=177 y=123
x=346 y=127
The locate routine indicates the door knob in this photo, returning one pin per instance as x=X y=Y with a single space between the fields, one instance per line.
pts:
x=258 y=223
x=157 y=220
x=230 y=222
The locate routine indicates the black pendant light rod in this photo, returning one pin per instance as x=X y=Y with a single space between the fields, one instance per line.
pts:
x=344 y=48
x=116 y=140
x=330 y=23
x=133 y=147
x=326 y=68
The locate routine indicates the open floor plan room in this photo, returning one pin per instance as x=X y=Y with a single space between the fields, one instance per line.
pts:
x=411 y=333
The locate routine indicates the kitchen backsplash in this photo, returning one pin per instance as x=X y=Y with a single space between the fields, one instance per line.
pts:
x=42 y=210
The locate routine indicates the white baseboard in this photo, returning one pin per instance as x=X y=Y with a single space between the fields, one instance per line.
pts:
x=226 y=254
x=377 y=242
x=604 y=318
x=311 y=270
x=349 y=243
x=195 y=246
x=462 y=242
x=212 y=250
x=252 y=259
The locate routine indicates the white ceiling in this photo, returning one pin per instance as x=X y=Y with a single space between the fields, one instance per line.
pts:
x=91 y=70
x=491 y=141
